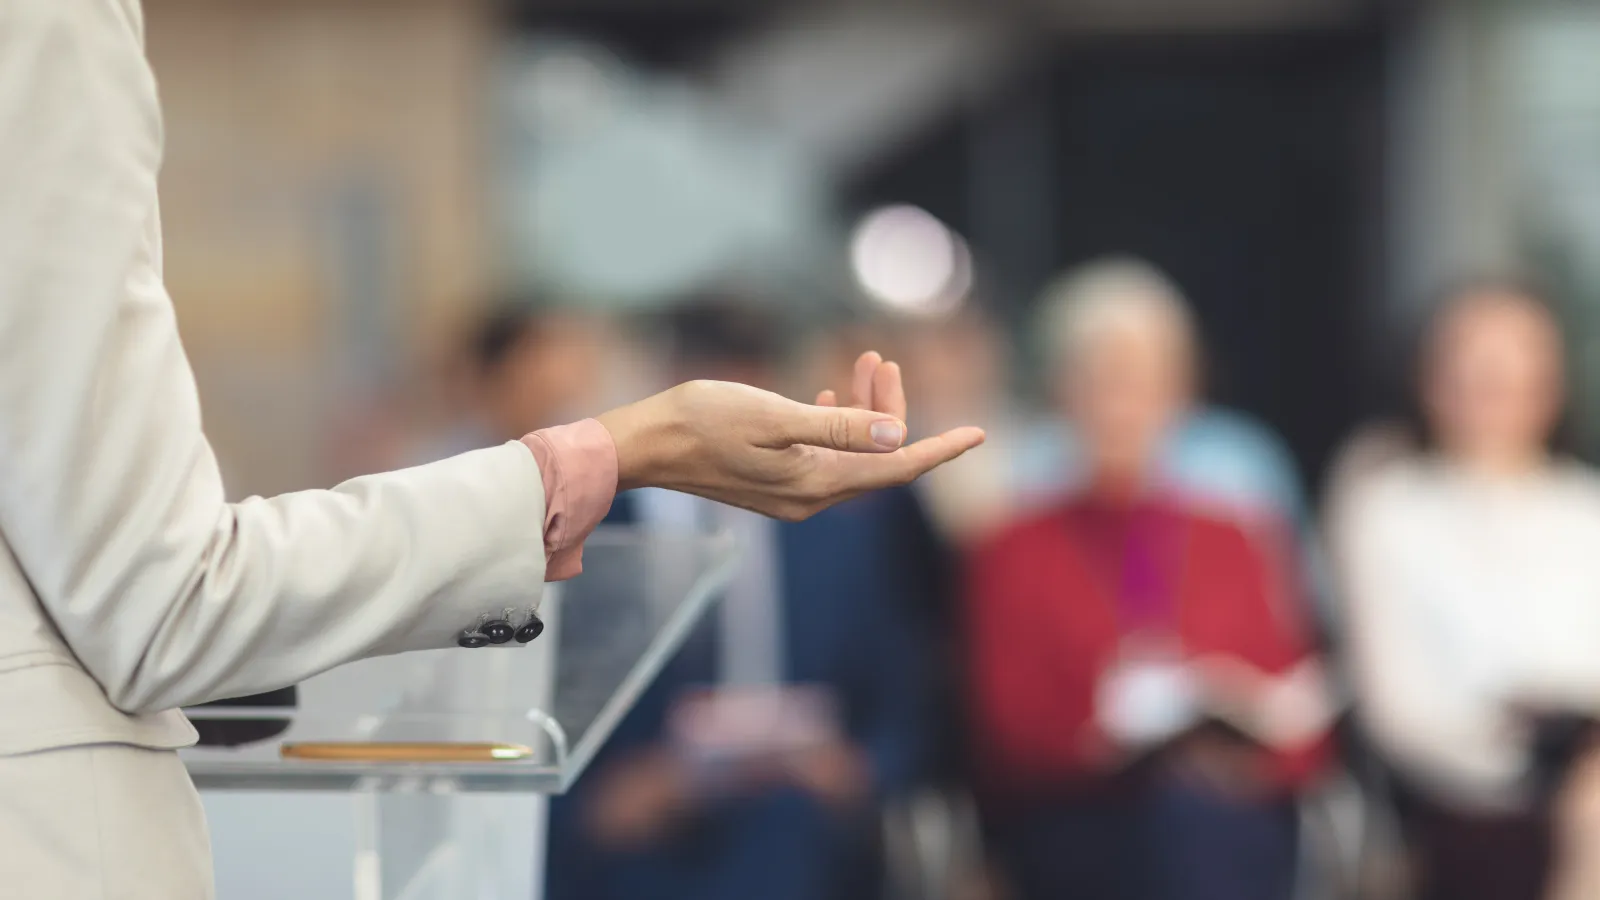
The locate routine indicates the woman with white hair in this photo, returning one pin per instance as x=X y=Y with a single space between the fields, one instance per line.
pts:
x=1146 y=700
x=1222 y=455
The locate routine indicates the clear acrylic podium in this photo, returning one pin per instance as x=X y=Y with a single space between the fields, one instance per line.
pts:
x=409 y=830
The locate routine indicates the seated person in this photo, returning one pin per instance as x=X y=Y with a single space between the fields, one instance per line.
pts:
x=1145 y=700
x=1473 y=590
x=1222 y=455
x=756 y=763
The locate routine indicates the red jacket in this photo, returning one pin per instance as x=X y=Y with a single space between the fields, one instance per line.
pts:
x=1043 y=624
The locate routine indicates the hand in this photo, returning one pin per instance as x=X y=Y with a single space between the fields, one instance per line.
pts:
x=637 y=798
x=1577 y=826
x=1284 y=710
x=756 y=450
x=834 y=773
x=1232 y=690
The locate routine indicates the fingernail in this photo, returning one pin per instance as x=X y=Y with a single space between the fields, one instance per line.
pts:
x=888 y=434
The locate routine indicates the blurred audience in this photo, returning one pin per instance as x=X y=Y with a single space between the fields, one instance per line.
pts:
x=1146 y=702
x=756 y=765
x=1473 y=588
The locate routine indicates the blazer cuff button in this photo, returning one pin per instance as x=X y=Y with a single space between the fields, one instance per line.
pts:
x=499 y=631
x=530 y=629
x=472 y=640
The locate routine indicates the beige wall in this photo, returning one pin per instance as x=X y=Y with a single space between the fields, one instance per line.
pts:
x=269 y=107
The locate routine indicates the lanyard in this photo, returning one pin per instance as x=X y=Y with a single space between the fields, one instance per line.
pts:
x=1146 y=597
x=1144 y=561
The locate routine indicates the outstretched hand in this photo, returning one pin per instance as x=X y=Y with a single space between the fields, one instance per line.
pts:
x=757 y=450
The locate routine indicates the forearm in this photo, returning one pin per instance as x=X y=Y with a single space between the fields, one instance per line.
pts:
x=277 y=590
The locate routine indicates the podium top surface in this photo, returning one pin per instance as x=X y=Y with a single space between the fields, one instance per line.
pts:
x=545 y=707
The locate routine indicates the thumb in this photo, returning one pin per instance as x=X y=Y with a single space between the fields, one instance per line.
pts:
x=842 y=428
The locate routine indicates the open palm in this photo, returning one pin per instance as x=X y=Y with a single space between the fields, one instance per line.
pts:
x=757 y=450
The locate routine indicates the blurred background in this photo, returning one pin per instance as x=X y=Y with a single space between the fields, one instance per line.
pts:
x=1312 y=284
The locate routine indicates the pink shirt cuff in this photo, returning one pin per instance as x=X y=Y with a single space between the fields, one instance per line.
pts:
x=578 y=464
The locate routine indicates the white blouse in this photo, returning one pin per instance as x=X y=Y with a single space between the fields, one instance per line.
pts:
x=1468 y=596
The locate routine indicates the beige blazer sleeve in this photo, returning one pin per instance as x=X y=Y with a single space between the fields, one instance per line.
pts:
x=111 y=501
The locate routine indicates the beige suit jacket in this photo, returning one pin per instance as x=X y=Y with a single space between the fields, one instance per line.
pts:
x=128 y=586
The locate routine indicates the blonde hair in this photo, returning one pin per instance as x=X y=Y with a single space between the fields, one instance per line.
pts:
x=1114 y=294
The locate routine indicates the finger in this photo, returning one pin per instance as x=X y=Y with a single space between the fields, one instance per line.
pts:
x=929 y=453
x=836 y=428
x=827 y=398
x=861 y=385
x=888 y=391
x=912 y=462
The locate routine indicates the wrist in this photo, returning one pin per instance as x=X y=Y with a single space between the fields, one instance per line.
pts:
x=640 y=439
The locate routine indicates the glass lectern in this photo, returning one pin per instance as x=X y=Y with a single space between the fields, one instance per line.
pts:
x=420 y=830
